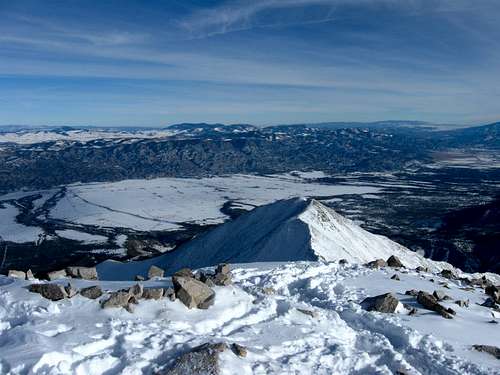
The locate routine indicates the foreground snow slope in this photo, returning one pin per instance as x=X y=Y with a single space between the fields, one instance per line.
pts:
x=287 y=230
x=76 y=336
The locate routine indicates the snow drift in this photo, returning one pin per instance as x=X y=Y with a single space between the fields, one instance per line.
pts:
x=288 y=230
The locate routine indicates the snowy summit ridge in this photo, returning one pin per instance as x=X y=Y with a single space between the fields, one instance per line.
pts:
x=296 y=229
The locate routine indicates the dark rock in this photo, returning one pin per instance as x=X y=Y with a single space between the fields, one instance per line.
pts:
x=17 y=274
x=193 y=293
x=462 y=303
x=394 y=262
x=430 y=302
x=440 y=295
x=489 y=303
x=202 y=360
x=376 y=263
x=92 y=292
x=494 y=292
x=493 y=350
x=385 y=303
x=239 y=350
x=223 y=269
x=55 y=275
x=153 y=293
x=343 y=262
x=86 y=273
x=448 y=274
x=155 y=271
x=421 y=269
x=54 y=292
x=395 y=277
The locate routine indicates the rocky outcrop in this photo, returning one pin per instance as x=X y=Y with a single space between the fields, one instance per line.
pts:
x=431 y=303
x=53 y=292
x=394 y=262
x=494 y=292
x=202 y=360
x=385 y=303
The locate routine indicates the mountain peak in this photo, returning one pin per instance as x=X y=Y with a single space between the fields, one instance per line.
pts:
x=296 y=229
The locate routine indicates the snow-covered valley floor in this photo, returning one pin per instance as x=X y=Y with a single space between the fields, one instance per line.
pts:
x=75 y=335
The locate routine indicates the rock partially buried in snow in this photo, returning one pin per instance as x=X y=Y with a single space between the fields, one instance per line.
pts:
x=493 y=350
x=54 y=292
x=430 y=302
x=394 y=262
x=70 y=290
x=440 y=295
x=202 y=360
x=385 y=303
x=17 y=274
x=118 y=299
x=494 y=292
x=379 y=263
x=193 y=293
x=153 y=293
x=155 y=271
x=239 y=350
x=136 y=291
x=395 y=277
x=86 y=273
x=55 y=275
x=29 y=275
x=92 y=292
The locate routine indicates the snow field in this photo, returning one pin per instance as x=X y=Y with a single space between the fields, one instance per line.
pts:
x=77 y=336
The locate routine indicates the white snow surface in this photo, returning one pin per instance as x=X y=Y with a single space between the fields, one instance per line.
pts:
x=165 y=203
x=12 y=231
x=289 y=230
x=76 y=336
x=81 y=236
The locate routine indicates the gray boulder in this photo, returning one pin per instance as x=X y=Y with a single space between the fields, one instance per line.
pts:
x=55 y=275
x=155 y=272
x=412 y=292
x=118 y=299
x=54 y=292
x=202 y=360
x=448 y=274
x=86 y=273
x=385 y=303
x=222 y=279
x=17 y=274
x=394 y=262
x=170 y=294
x=92 y=292
x=153 y=293
x=193 y=293
x=184 y=272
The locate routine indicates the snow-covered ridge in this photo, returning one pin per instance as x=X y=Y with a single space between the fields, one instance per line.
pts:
x=288 y=230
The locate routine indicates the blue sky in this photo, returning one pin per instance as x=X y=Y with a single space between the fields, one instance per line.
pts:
x=152 y=63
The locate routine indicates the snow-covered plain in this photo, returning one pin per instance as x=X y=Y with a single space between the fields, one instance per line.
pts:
x=77 y=336
x=165 y=203
x=10 y=230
